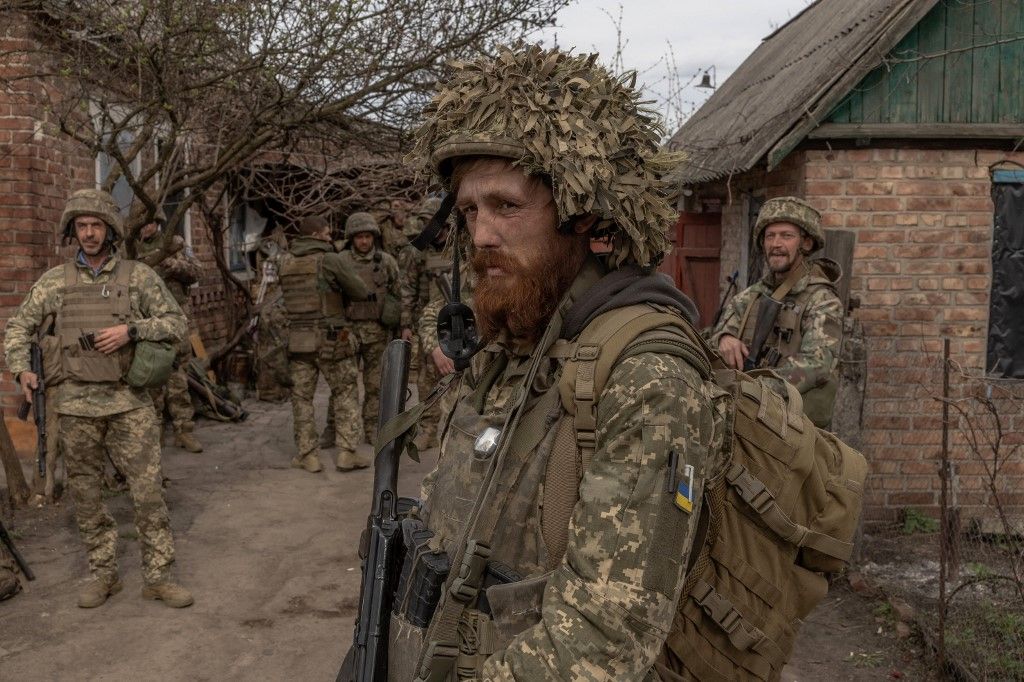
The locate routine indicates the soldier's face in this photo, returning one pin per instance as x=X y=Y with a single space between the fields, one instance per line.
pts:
x=362 y=242
x=148 y=230
x=91 y=233
x=522 y=263
x=784 y=246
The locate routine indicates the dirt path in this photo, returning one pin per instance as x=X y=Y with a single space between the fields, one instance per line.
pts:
x=270 y=553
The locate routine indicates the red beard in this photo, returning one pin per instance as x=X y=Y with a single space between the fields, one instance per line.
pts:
x=523 y=299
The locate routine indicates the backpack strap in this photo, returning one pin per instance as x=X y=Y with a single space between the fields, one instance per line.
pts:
x=599 y=348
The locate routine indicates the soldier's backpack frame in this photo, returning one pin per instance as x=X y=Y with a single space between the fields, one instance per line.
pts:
x=778 y=514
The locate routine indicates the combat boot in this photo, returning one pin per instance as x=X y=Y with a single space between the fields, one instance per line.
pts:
x=348 y=460
x=97 y=590
x=185 y=439
x=311 y=463
x=172 y=594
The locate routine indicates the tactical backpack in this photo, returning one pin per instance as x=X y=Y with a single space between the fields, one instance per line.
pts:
x=778 y=514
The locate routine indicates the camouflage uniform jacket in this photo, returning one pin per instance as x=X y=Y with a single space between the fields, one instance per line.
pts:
x=154 y=312
x=179 y=269
x=419 y=281
x=610 y=601
x=821 y=323
x=370 y=331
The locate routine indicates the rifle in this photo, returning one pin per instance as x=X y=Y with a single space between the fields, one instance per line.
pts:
x=732 y=279
x=18 y=559
x=766 y=315
x=39 y=402
x=367 y=659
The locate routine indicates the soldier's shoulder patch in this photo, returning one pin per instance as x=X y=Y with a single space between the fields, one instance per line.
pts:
x=684 y=491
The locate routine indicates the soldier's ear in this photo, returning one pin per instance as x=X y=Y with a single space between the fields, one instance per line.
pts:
x=583 y=224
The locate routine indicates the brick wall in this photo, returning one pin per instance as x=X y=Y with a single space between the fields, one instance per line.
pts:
x=922 y=271
x=39 y=168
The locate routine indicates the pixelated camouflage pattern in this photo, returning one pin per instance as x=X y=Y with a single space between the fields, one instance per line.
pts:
x=361 y=222
x=154 y=312
x=610 y=602
x=175 y=399
x=179 y=270
x=132 y=441
x=821 y=327
x=790 y=210
x=419 y=272
x=92 y=202
x=9 y=583
x=569 y=118
x=340 y=371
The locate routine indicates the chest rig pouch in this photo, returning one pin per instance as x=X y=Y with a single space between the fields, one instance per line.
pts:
x=376 y=281
x=304 y=301
x=87 y=308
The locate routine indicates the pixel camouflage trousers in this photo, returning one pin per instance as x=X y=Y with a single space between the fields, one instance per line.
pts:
x=341 y=378
x=132 y=441
x=174 y=394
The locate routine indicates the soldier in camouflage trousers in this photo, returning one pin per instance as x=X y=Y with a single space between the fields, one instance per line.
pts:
x=425 y=277
x=374 y=320
x=179 y=270
x=316 y=284
x=803 y=346
x=599 y=580
x=92 y=311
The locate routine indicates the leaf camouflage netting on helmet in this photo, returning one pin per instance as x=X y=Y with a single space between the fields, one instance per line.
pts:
x=566 y=117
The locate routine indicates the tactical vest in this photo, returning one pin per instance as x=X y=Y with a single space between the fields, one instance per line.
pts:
x=86 y=308
x=307 y=305
x=784 y=342
x=375 y=278
x=778 y=511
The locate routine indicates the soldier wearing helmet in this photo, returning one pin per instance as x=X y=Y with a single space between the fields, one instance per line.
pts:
x=179 y=270
x=316 y=285
x=92 y=313
x=803 y=345
x=376 y=320
x=425 y=277
x=549 y=497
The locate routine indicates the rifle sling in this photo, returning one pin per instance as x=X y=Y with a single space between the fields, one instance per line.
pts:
x=795 y=275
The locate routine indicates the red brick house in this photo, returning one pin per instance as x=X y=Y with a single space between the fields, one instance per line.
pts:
x=903 y=122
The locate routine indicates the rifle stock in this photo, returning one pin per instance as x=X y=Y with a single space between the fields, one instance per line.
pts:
x=366 y=661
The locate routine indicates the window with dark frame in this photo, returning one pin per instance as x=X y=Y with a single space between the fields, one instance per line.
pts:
x=1005 y=356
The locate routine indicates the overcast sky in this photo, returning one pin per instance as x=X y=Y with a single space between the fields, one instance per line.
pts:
x=701 y=33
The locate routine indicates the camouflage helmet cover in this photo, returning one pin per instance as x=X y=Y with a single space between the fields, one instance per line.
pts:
x=428 y=207
x=566 y=117
x=92 y=202
x=361 y=222
x=790 y=210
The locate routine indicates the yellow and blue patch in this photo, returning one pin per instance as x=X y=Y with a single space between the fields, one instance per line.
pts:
x=684 y=492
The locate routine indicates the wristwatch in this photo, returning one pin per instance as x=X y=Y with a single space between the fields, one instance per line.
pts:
x=133 y=332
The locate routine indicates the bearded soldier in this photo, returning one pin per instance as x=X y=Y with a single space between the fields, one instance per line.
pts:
x=425 y=277
x=179 y=270
x=317 y=283
x=573 y=510
x=100 y=315
x=804 y=338
x=375 y=319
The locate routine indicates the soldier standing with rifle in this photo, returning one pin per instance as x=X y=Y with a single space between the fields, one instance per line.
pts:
x=791 y=321
x=115 y=324
x=179 y=270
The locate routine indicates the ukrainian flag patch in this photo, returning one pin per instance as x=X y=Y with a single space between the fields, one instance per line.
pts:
x=684 y=492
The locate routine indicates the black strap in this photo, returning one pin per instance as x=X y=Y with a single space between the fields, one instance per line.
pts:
x=428 y=235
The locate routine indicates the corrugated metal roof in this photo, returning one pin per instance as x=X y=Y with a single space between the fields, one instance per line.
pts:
x=790 y=83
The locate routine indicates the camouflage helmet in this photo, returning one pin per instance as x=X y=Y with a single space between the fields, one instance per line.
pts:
x=790 y=210
x=427 y=208
x=92 y=202
x=566 y=117
x=361 y=222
